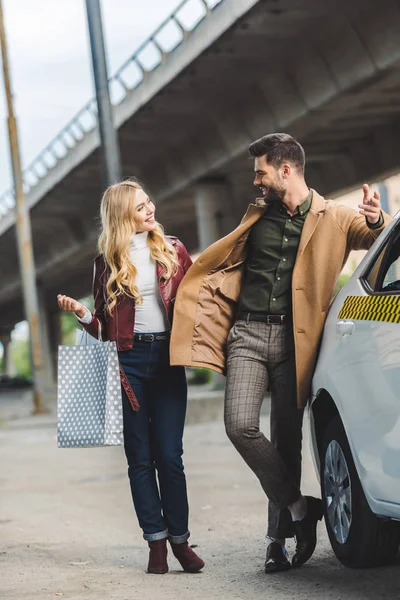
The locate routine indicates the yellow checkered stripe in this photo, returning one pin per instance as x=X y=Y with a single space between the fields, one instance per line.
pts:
x=371 y=308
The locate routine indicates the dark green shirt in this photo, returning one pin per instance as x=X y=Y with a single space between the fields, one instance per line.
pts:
x=271 y=254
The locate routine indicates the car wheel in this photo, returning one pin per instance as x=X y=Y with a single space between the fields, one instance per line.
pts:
x=358 y=537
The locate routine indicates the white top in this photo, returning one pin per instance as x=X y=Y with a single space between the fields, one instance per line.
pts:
x=150 y=316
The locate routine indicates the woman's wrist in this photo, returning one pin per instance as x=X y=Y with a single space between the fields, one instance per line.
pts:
x=81 y=312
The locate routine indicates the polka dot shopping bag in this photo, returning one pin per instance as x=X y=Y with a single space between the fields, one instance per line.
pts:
x=89 y=401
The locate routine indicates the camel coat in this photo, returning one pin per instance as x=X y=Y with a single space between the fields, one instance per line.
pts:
x=206 y=302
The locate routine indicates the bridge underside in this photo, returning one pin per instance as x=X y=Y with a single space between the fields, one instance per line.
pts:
x=327 y=72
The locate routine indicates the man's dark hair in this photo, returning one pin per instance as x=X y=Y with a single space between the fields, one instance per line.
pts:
x=279 y=148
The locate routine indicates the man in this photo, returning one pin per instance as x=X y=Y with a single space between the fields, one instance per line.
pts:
x=272 y=278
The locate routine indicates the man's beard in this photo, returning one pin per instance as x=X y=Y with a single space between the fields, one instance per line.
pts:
x=274 y=196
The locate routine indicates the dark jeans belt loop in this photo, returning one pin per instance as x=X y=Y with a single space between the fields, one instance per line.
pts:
x=264 y=318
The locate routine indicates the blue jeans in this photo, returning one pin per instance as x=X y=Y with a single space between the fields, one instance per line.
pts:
x=153 y=440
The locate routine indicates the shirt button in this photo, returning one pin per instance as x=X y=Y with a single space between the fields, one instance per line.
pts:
x=286 y=239
x=290 y=220
x=284 y=259
x=273 y=299
x=278 y=278
x=302 y=212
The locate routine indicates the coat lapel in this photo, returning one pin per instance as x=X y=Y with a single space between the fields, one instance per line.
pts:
x=314 y=216
x=253 y=213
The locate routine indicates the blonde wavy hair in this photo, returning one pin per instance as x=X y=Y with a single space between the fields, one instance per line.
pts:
x=117 y=213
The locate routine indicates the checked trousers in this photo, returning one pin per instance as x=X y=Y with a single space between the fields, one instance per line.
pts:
x=261 y=356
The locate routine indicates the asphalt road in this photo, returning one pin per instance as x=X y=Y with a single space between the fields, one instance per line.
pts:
x=67 y=527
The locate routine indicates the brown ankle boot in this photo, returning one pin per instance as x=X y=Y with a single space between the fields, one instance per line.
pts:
x=189 y=560
x=158 y=557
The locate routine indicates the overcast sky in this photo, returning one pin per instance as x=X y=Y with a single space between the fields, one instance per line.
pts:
x=50 y=65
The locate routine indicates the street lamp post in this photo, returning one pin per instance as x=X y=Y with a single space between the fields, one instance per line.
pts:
x=108 y=136
x=24 y=237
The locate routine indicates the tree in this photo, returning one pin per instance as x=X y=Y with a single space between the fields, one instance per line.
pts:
x=342 y=280
x=69 y=323
x=20 y=351
x=20 y=355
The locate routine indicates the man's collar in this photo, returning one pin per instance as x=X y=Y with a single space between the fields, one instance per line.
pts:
x=317 y=202
x=301 y=208
x=304 y=207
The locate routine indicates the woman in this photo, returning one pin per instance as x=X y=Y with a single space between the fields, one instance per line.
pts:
x=136 y=276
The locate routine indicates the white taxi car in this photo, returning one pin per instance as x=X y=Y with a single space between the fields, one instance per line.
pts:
x=355 y=410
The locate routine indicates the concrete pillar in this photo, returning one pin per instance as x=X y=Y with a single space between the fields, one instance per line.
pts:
x=48 y=368
x=55 y=338
x=383 y=191
x=214 y=212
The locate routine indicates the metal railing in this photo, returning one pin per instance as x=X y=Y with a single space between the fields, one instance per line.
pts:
x=150 y=54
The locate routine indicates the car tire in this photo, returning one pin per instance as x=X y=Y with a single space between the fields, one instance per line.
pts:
x=358 y=537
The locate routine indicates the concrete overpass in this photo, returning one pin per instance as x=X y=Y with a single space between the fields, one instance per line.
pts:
x=327 y=72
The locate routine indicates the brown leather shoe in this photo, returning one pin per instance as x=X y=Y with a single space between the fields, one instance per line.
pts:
x=158 y=557
x=190 y=562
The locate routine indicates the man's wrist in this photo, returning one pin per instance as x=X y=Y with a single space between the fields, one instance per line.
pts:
x=376 y=225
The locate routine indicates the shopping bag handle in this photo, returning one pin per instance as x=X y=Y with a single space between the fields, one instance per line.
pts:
x=99 y=334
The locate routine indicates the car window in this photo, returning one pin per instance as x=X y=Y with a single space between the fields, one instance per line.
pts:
x=391 y=272
x=372 y=276
x=384 y=275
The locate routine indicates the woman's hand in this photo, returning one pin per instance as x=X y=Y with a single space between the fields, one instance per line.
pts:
x=70 y=305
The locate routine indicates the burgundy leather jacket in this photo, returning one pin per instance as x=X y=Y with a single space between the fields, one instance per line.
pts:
x=119 y=326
